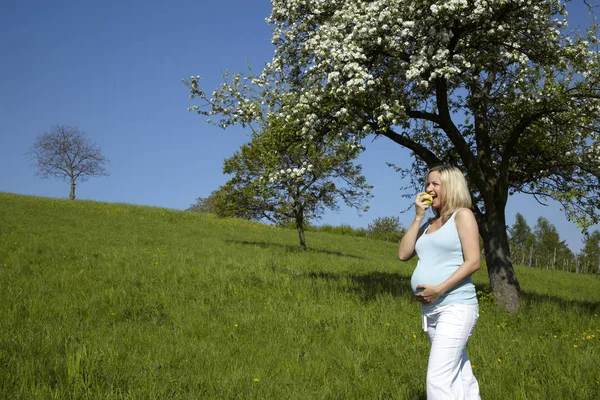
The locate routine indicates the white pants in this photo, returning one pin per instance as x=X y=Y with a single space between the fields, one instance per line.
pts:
x=449 y=373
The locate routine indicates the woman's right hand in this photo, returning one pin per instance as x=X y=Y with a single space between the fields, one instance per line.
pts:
x=422 y=204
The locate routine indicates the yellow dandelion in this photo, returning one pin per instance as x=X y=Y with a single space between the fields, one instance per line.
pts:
x=499 y=360
x=387 y=324
x=414 y=336
x=255 y=380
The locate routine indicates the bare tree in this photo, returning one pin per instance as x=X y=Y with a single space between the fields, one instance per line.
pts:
x=68 y=153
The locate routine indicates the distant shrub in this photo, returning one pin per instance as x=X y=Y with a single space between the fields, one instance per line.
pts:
x=386 y=228
x=342 y=230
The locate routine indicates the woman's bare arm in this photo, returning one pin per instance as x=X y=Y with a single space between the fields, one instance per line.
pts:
x=406 y=250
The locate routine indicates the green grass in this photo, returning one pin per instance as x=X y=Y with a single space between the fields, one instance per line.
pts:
x=113 y=301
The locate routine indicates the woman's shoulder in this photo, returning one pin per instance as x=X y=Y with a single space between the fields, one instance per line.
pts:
x=464 y=212
x=460 y=213
x=464 y=216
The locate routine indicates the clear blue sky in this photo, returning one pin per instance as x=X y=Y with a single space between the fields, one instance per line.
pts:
x=114 y=69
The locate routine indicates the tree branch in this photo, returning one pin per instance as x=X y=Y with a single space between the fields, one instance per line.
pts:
x=446 y=123
x=424 y=153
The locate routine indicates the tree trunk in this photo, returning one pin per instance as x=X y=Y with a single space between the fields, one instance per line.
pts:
x=502 y=276
x=72 y=193
x=300 y=228
x=301 y=237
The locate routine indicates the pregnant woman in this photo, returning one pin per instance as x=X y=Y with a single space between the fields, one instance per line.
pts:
x=447 y=247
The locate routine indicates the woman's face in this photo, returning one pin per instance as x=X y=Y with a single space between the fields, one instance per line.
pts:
x=433 y=186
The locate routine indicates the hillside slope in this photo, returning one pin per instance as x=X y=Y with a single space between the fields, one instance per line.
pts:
x=120 y=301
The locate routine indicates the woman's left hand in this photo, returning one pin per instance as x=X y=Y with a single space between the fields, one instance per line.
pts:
x=429 y=294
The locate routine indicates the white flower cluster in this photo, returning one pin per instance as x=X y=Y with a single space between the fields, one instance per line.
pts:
x=388 y=115
x=293 y=173
x=193 y=84
x=593 y=151
x=235 y=101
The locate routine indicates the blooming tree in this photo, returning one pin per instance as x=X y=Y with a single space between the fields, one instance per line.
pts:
x=501 y=88
x=285 y=180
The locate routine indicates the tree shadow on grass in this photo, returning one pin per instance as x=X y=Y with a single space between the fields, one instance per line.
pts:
x=533 y=299
x=564 y=304
x=417 y=395
x=292 y=249
x=369 y=286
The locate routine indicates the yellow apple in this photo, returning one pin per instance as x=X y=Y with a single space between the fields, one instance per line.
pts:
x=427 y=198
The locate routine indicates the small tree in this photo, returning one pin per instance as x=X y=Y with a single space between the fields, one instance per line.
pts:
x=67 y=152
x=202 y=205
x=548 y=246
x=284 y=182
x=521 y=239
x=386 y=228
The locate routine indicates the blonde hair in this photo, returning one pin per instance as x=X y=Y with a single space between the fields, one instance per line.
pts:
x=455 y=191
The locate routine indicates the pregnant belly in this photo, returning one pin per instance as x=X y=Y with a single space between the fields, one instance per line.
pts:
x=423 y=276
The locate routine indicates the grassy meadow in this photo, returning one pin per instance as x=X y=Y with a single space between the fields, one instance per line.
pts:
x=114 y=301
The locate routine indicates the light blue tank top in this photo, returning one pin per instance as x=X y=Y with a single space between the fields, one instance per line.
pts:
x=440 y=254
